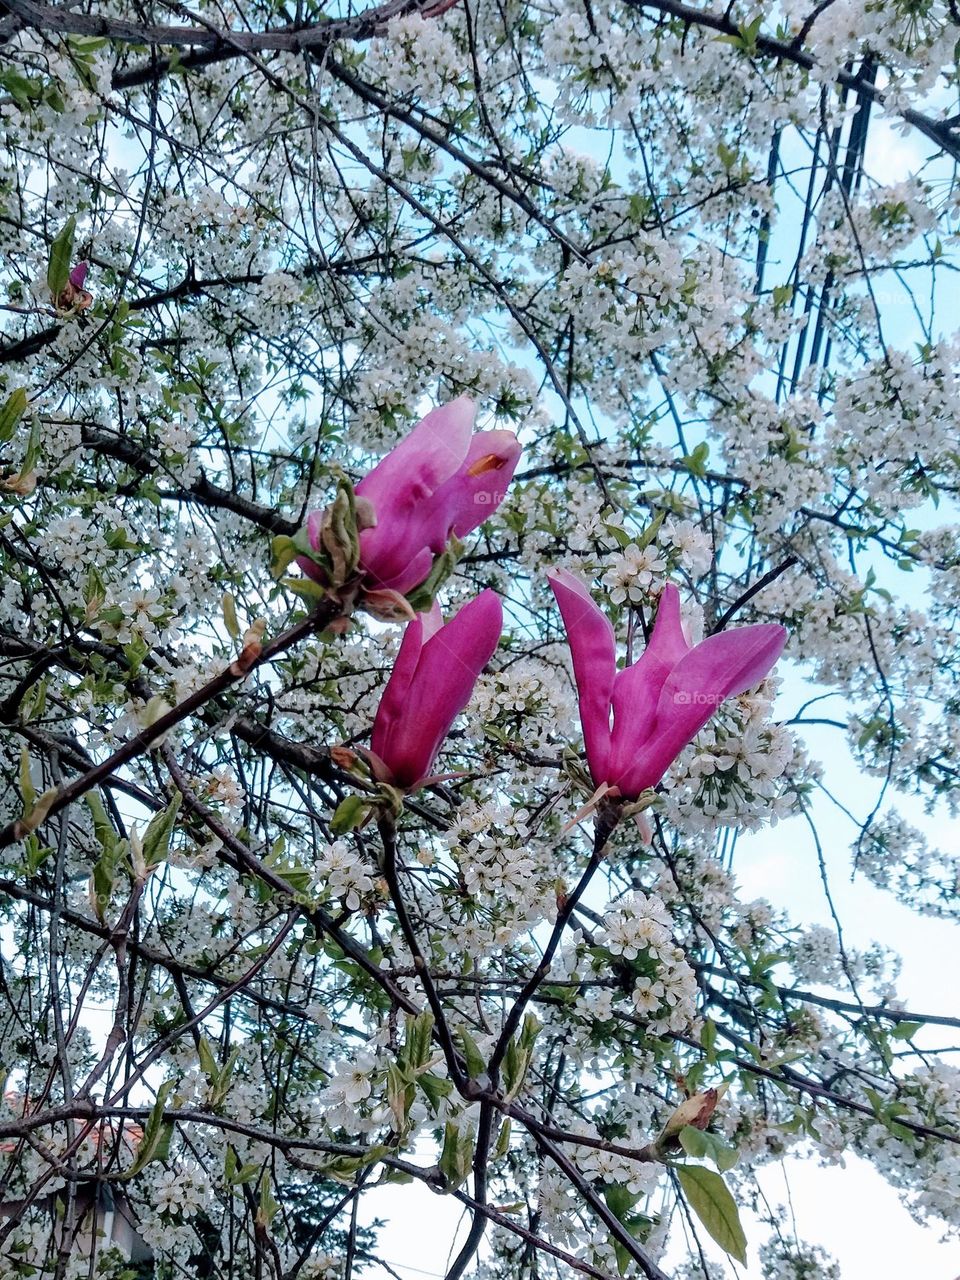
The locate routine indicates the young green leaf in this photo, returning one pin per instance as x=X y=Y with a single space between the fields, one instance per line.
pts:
x=476 y=1063
x=156 y=838
x=157 y=1134
x=349 y=814
x=13 y=410
x=710 y=1199
x=61 y=253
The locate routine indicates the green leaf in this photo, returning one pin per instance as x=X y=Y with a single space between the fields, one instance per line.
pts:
x=32 y=452
x=111 y=848
x=345 y=1168
x=516 y=1060
x=104 y=881
x=782 y=295
x=349 y=814
x=503 y=1140
x=476 y=1064
x=708 y=1039
x=36 y=854
x=14 y=407
x=61 y=253
x=156 y=838
x=696 y=462
x=21 y=89
x=701 y=1144
x=94 y=592
x=456 y=1158
x=102 y=826
x=435 y=1088
x=229 y=605
x=417 y=1042
x=157 y=1133
x=621 y=1201
x=906 y=1030
x=268 y=1205
x=728 y=155
x=710 y=1199
x=208 y=1063
x=400 y=1095
x=651 y=531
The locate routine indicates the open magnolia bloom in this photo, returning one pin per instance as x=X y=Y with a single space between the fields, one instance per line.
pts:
x=441 y=481
x=637 y=721
x=431 y=682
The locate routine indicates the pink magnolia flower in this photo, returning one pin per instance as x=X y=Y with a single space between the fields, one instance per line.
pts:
x=638 y=720
x=78 y=275
x=431 y=683
x=442 y=479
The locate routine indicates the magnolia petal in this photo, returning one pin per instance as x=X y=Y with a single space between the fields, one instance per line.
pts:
x=637 y=689
x=412 y=572
x=480 y=486
x=594 y=651
x=721 y=667
x=393 y=701
x=420 y=709
x=415 y=468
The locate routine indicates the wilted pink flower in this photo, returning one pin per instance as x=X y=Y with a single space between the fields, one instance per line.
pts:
x=638 y=720
x=431 y=683
x=441 y=480
x=78 y=275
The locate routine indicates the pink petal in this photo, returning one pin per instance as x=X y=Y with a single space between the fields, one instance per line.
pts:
x=667 y=640
x=403 y=489
x=636 y=689
x=594 y=651
x=447 y=669
x=731 y=661
x=432 y=452
x=481 y=484
x=432 y=621
x=407 y=572
x=721 y=667
x=459 y=505
x=393 y=700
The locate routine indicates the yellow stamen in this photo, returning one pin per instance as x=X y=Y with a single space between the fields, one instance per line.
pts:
x=489 y=462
